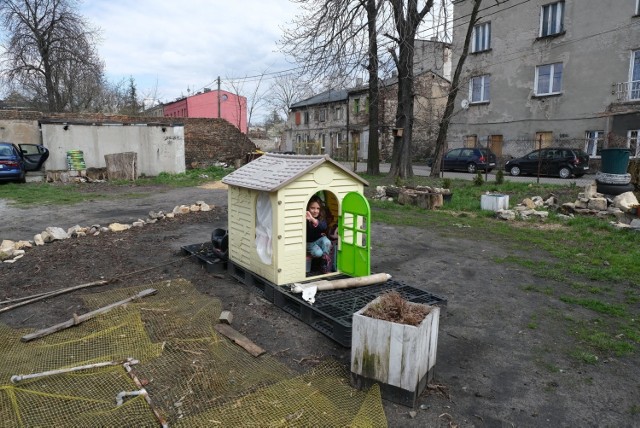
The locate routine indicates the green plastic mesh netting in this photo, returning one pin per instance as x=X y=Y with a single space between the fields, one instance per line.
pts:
x=193 y=377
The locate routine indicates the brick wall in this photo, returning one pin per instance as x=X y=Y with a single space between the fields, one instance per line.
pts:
x=207 y=141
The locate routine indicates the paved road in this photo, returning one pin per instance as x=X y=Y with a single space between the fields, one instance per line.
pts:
x=423 y=170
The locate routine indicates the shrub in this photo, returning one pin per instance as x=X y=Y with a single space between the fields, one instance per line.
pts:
x=478 y=180
x=499 y=177
x=446 y=183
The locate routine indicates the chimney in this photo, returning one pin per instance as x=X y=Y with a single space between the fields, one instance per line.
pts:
x=207 y=90
x=358 y=81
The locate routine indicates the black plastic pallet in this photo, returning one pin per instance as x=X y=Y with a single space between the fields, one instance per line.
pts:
x=333 y=310
x=204 y=254
x=250 y=279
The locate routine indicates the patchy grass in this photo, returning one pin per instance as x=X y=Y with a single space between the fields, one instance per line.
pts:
x=47 y=194
x=68 y=194
x=594 y=266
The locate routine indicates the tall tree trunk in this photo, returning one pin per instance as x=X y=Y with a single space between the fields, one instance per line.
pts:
x=407 y=19
x=453 y=93
x=373 y=154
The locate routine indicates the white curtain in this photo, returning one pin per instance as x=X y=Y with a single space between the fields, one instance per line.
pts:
x=263 y=228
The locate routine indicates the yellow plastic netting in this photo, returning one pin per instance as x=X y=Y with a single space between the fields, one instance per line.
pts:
x=193 y=376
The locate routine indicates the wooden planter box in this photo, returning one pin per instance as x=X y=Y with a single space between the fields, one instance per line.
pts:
x=399 y=357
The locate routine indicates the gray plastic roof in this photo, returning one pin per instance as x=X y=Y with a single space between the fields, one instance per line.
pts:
x=271 y=172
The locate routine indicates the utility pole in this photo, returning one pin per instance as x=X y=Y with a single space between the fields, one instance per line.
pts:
x=218 y=97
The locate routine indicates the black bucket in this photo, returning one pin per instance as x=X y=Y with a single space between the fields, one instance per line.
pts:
x=220 y=241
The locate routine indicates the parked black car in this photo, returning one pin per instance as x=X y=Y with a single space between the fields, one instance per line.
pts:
x=15 y=161
x=550 y=161
x=468 y=159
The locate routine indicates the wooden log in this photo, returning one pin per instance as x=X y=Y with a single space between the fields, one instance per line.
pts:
x=39 y=297
x=360 y=281
x=78 y=319
x=239 y=339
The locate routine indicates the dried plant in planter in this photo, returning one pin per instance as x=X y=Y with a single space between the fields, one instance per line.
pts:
x=393 y=307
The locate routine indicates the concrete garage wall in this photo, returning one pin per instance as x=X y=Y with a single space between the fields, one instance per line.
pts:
x=160 y=148
x=206 y=141
x=19 y=127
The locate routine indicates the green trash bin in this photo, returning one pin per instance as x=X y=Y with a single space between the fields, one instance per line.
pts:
x=614 y=161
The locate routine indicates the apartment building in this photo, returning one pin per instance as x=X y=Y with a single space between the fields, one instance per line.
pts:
x=336 y=122
x=543 y=72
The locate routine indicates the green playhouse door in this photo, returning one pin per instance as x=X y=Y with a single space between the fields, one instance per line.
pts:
x=354 y=253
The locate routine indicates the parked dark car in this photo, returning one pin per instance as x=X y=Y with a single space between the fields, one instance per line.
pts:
x=15 y=160
x=550 y=161
x=469 y=159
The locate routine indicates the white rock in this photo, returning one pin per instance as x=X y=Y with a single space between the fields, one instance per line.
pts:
x=55 y=234
x=138 y=223
x=537 y=200
x=184 y=209
x=151 y=220
x=119 y=227
x=625 y=201
x=20 y=245
x=205 y=207
x=38 y=240
x=540 y=214
x=506 y=214
x=104 y=229
x=635 y=223
x=597 y=204
x=72 y=230
x=170 y=215
x=194 y=208
x=9 y=261
x=7 y=244
x=200 y=202
x=176 y=209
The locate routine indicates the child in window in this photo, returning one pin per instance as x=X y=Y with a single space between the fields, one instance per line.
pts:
x=318 y=245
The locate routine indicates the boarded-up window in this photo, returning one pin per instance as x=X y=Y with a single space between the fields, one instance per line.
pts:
x=470 y=140
x=544 y=139
x=297 y=118
x=495 y=144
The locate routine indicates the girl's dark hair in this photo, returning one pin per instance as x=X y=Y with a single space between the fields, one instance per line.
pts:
x=316 y=198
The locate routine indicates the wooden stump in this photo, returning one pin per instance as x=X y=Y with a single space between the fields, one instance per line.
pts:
x=122 y=166
x=422 y=199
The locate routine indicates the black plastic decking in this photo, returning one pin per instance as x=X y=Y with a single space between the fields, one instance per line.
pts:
x=205 y=255
x=333 y=310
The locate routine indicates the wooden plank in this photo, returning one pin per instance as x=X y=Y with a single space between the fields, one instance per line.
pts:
x=82 y=318
x=239 y=339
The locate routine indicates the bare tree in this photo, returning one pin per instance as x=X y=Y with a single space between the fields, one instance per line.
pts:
x=453 y=93
x=333 y=39
x=254 y=97
x=285 y=90
x=49 y=52
x=407 y=18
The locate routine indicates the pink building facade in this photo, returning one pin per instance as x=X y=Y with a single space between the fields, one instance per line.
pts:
x=233 y=108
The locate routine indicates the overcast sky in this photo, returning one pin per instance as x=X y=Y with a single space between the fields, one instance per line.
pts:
x=188 y=43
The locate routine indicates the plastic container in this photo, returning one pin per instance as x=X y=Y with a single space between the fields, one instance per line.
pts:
x=614 y=161
x=494 y=202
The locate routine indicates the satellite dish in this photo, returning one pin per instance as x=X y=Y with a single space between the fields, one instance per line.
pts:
x=464 y=104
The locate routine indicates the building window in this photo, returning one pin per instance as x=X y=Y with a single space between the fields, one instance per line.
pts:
x=481 y=37
x=594 y=142
x=551 y=19
x=548 y=79
x=306 y=117
x=338 y=140
x=480 y=89
x=633 y=142
x=637 y=7
x=337 y=113
x=297 y=116
x=356 y=105
x=323 y=143
x=634 y=76
x=323 y=114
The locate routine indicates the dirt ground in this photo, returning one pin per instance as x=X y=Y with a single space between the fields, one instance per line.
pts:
x=492 y=370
